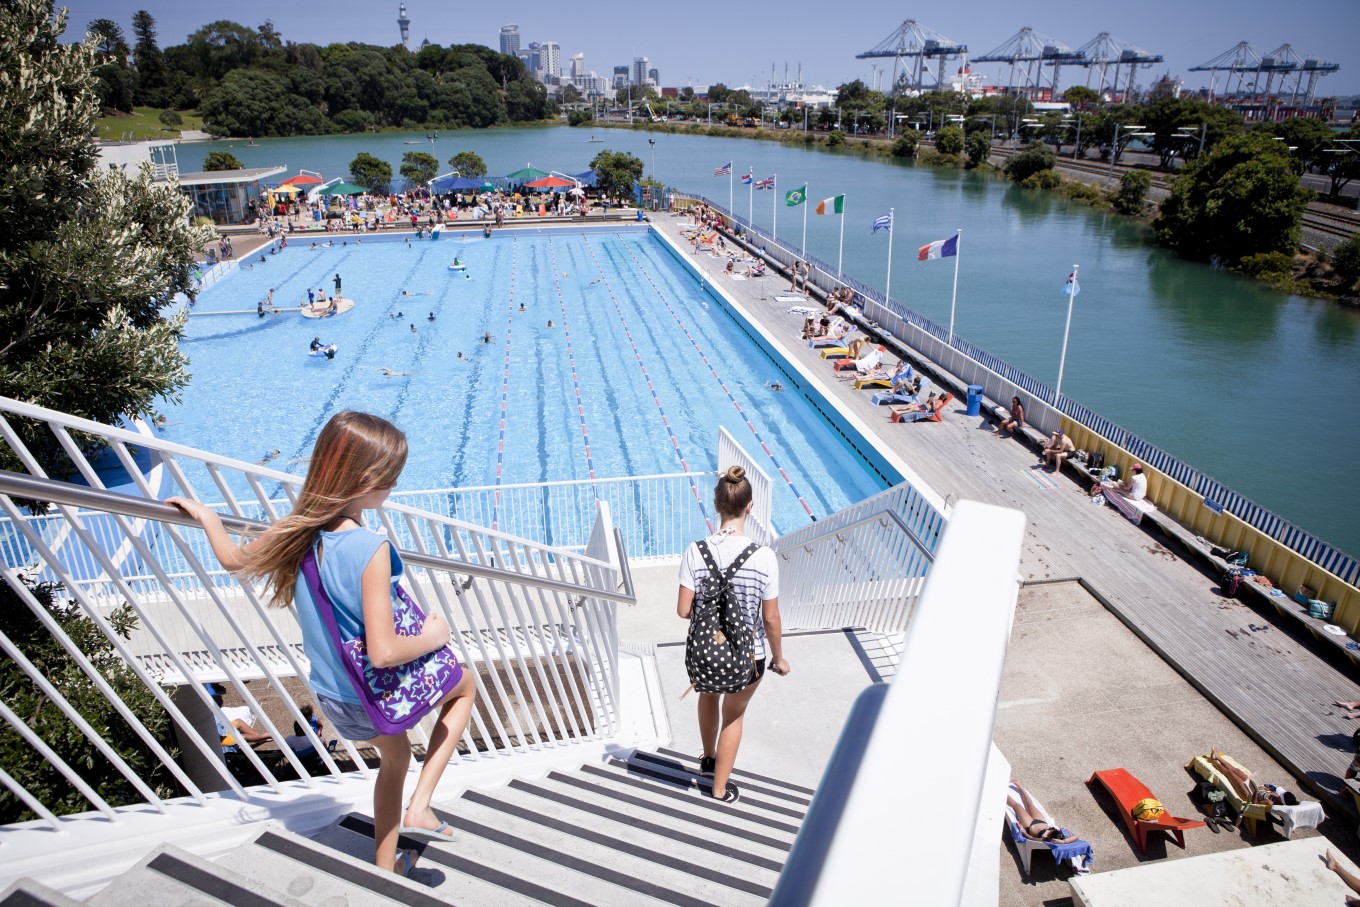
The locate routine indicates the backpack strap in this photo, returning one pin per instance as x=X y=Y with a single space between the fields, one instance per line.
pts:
x=736 y=565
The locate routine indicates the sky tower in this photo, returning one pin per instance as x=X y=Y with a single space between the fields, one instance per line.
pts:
x=404 y=22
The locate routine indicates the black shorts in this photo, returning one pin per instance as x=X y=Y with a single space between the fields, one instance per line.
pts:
x=760 y=670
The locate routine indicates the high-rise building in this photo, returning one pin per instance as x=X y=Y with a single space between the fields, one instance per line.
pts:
x=510 y=40
x=532 y=57
x=654 y=77
x=404 y=23
x=550 y=55
x=620 y=76
x=640 y=67
x=578 y=66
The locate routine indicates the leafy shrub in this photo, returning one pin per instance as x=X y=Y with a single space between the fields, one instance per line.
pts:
x=1078 y=191
x=835 y=139
x=905 y=144
x=353 y=120
x=41 y=648
x=1033 y=158
x=979 y=148
x=1132 y=194
x=170 y=118
x=949 y=140
x=1043 y=179
x=580 y=117
x=1346 y=258
x=1264 y=264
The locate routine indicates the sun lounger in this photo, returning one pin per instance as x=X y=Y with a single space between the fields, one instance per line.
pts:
x=888 y=397
x=880 y=380
x=1127 y=791
x=1307 y=814
x=926 y=415
x=1078 y=853
x=835 y=352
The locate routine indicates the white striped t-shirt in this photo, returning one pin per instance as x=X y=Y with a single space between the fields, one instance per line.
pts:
x=756 y=581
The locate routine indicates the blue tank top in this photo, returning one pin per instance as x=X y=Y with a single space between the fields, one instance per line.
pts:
x=344 y=555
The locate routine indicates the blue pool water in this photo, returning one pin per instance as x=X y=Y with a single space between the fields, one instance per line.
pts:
x=632 y=332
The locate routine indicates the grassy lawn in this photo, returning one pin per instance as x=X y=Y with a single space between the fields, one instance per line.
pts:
x=143 y=123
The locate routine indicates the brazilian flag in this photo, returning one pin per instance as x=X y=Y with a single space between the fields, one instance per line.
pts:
x=795 y=197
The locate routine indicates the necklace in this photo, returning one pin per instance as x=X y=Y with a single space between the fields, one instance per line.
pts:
x=728 y=530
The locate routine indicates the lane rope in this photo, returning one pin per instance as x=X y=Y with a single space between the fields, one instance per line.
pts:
x=505 y=389
x=571 y=360
x=716 y=377
x=675 y=442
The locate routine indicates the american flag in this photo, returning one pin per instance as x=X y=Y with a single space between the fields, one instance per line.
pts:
x=724 y=170
x=766 y=183
x=883 y=223
x=746 y=180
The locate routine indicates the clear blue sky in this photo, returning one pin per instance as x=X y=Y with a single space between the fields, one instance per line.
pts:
x=716 y=42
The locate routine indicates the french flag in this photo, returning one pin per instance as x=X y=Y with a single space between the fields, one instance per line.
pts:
x=941 y=248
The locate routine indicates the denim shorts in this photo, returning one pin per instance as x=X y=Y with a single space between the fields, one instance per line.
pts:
x=348 y=719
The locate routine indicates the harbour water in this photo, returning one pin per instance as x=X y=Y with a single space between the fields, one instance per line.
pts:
x=1253 y=386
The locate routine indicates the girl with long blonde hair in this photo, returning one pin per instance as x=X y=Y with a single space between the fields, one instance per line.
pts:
x=353 y=468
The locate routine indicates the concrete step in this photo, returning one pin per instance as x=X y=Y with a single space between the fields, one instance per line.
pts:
x=320 y=875
x=169 y=875
x=673 y=763
x=445 y=873
x=752 y=808
x=28 y=893
x=630 y=835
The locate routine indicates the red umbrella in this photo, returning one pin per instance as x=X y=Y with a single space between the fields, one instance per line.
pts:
x=550 y=182
x=302 y=179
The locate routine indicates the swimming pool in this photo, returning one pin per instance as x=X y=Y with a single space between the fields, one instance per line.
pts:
x=604 y=360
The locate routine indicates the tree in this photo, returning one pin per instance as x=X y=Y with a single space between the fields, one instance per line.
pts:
x=1240 y=199
x=221 y=160
x=108 y=38
x=1307 y=140
x=686 y=95
x=1346 y=259
x=370 y=172
x=1342 y=163
x=170 y=118
x=978 y=145
x=580 y=117
x=905 y=144
x=256 y=102
x=1079 y=96
x=949 y=140
x=90 y=256
x=147 y=58
x=526 y=100
x=1132 y=194
x=468 y=164
x=616 y=172
x=419 y=167
x=23 y=628
x=1033 y=158
x=571 y=94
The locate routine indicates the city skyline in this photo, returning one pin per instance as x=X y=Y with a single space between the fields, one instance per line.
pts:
x=1184 y=34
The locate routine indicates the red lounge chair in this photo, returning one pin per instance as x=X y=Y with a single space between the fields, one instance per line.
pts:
x=1127 y=791
x=925 y=415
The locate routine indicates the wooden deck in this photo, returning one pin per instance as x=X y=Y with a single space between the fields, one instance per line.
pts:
x=1263 y=673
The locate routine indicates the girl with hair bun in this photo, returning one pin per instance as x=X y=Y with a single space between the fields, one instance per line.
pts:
x=756 y=584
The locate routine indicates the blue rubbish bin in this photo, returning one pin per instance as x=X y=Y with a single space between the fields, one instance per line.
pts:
x=975 y=399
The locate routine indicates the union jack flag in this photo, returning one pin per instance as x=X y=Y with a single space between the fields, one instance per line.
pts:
x=724 y=170
x=766 y=183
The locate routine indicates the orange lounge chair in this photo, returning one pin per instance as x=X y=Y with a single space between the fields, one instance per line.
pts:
x=925 y=415
x=1127 y=791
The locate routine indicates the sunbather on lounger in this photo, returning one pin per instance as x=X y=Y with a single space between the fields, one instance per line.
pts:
x=1247 y=789
x=931 y=405
x=1034 y=827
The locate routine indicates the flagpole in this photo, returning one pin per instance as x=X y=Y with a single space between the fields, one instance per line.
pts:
x=730 y=206
x=887 y=290
x=841 y=252
x=958 y=241
x=774 y=206
x=805 y=207
x=751 y=198
x=1071 y=295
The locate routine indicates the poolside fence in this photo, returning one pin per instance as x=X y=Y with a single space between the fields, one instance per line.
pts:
x=1000 y=380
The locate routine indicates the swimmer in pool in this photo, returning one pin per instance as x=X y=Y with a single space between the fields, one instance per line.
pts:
x=521 y=307
x=486 y=338
x=431 y=317
x=267 y=457
x=388 y=373
x=776 y=386
x=460 y=354
x=550 y=324
x=413 y=329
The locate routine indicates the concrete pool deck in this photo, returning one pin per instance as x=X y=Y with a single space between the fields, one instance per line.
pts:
x=1270 y=681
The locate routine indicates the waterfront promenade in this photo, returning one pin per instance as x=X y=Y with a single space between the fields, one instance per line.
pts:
x=1264 y=677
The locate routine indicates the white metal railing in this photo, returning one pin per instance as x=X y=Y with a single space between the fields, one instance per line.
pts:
x=658 y=515
x=863 y=817
x=535 y=622
x=862 y=566
x=730 y=453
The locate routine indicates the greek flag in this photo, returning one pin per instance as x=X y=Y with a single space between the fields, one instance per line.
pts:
x=724 y=170
x=883 y=223
x=1070 y=286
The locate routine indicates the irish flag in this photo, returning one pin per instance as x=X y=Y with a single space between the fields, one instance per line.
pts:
x=941 y=248
x=833 y=205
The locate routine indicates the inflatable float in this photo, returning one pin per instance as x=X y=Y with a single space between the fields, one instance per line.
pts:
x=323 y=352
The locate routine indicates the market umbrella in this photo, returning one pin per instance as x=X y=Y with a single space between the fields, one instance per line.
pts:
x=588 y=177
x=343 y=189
x=550 y=182
x=302 y=179
x=523 y=176
x=285 y=189
x=577 y=191
x=454 y=184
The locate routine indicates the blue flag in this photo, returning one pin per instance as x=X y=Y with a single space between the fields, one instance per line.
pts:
x=1070 y=286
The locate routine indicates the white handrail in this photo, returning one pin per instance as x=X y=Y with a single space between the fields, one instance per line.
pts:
x=866 y=813
x=535 y=621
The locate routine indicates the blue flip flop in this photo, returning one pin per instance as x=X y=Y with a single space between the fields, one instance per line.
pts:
x=406 y=863
x=426 y=834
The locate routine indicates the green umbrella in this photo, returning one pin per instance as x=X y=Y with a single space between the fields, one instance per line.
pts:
x=525 y=175
x=343 y=189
